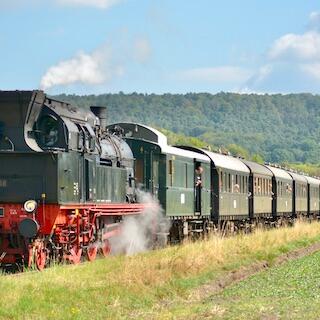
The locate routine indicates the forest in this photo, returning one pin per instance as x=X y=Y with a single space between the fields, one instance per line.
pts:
x=273 y=128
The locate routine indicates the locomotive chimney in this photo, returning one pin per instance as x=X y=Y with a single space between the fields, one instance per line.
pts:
x=101 y=113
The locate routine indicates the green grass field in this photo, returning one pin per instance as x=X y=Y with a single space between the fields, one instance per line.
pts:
x=161 y=284
x=291 y=291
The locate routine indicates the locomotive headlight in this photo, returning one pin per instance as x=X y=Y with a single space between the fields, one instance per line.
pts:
x=30 y=206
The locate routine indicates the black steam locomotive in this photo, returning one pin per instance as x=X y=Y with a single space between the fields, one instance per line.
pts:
x=65 y=183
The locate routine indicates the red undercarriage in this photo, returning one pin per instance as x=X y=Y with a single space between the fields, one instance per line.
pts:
x=66 y=232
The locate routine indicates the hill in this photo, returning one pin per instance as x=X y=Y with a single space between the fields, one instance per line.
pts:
x=278 y=128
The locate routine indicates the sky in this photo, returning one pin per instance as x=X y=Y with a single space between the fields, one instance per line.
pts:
x=160 y=46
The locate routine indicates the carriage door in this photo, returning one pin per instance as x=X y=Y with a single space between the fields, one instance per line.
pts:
x=198 y=186
x=142 y=171
x=155 y=174
x=139 y=172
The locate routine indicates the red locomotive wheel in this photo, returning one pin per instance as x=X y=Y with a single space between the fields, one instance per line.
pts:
x=92 y=252
x=40 y=257
x=75 y=255
x=106 y=248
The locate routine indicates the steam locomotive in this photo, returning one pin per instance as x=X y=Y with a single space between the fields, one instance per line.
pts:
x=67 y=181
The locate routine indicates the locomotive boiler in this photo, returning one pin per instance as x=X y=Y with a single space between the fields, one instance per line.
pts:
x=65 y=183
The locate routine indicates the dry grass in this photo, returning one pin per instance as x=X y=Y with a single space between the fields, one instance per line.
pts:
x=212 y=254
x=134 y=287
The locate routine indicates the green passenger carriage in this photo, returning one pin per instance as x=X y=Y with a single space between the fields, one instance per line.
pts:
x=230 y=179
x=170 y=174
x=313 y=195
x=300 y=194
x=260 y=190
x=282 y=185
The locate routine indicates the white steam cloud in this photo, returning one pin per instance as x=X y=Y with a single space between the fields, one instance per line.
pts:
x=138 y=233
x=98 y=67
x=92 y=69
x=82 y=68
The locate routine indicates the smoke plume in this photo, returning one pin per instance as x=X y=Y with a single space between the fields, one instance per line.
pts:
x=139 y=233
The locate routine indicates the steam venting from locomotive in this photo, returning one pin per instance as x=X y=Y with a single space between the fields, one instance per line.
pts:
x=140 y=232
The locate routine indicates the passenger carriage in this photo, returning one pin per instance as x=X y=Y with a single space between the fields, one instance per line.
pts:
x=313 y=196
x=260 y=190
x=300 y=194
x=282 y=193
x=170 y=174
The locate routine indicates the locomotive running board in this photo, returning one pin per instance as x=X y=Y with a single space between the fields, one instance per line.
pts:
x=110 y=209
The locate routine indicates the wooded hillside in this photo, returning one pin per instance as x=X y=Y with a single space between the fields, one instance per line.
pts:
x=278 y=128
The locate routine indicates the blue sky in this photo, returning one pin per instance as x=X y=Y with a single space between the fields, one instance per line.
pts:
x=100 y=46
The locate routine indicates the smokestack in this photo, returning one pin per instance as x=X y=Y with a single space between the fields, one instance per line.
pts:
x=101 y=113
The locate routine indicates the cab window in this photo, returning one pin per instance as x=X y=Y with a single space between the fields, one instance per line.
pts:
x=48 y=131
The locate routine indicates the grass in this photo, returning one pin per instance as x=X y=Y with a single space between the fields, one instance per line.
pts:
x=290 y=291
x=153 y=285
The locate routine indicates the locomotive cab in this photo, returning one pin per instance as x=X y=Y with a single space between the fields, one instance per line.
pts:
x=47 y=129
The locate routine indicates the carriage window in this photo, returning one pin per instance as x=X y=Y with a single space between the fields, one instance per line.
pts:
x=229 y=182
x=186 y=174
x=279 y=188
x=236 y=186
x=243 y=185
x=246 y=185
x=266 y=186
x=221 y=181
x=269 y=186
x=171 y=172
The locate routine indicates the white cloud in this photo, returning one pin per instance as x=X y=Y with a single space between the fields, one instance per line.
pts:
x=142 y=50
x=222 y=74
x=263 y=73
x=294 y=60
x=312 y=69
x=102 y=4
x=314 y=20
x=300 y=47
x=17 y=4
x=92 y=69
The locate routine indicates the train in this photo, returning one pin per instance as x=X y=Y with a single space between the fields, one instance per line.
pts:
x=234 y=193
x=68 y=180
